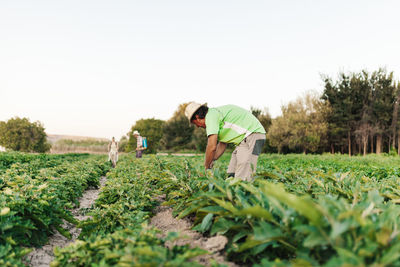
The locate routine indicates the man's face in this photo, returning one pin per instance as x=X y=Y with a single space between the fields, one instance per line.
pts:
x=199 y=122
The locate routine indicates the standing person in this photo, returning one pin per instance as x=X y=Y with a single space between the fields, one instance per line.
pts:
x=139 y=144
x=113 y=152
x=230 y=124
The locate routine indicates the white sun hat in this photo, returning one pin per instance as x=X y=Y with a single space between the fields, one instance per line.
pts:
x=191 y=108
x=136 y=132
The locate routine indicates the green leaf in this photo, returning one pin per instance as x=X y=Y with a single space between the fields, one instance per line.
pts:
x=339 y=228
x=250 y=243
x=187 y=211
x=222 y=225
x=303 y=205
x=257 y=212
x=392 y=255
x=314 y=239
x=240 y=235
x=349 y=257
x=226 y=205
x=63 y=232
x=383 y=236
x=213 y=209
x=206 y=223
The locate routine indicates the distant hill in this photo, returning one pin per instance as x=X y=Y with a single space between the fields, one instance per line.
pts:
x=77 y=144
x=53 y=138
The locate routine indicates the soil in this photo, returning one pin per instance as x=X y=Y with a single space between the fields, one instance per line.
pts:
x=215 y=245
x=42 y=257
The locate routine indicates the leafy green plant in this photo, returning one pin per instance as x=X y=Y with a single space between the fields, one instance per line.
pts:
x=35 y=197
x=301 y=209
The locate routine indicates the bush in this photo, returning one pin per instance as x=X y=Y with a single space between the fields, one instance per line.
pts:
x=22 y=135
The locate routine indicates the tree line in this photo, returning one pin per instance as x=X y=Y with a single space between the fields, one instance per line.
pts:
x=363 y=116
x=356 y=113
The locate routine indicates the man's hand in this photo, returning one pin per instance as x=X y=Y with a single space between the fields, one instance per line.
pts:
x=212 y=164
x=210 y=150
x=209 y=172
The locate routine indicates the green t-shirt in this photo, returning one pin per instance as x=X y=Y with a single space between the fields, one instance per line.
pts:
x=232 y=124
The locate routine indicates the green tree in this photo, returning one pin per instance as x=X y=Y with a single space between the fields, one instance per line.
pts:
x=22 y=135
x=302 y=125
x=178 y=132
x=199 y=139
x=339 y=96
x=279 y=133
x=360 y=85
x=363 y=106
x=384 y=97
x=123 y=143
x=149 y=128
x=394 y=126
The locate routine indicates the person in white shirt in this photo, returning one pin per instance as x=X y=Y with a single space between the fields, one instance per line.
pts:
x=113 y=152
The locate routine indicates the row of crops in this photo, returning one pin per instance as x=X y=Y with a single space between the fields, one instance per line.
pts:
x=118 y=234
x=37 y=194
x=305 y=211
x=301 y=210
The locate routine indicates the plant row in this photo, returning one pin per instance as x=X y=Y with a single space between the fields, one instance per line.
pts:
x=35 y=162
x=300 y=211
x=118 y=234
x=34 y=202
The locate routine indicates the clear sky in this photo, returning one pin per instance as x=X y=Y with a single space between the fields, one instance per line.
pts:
x=94 y=67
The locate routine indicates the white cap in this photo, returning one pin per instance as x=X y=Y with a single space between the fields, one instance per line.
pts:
x=191 y=108
x=136 y=132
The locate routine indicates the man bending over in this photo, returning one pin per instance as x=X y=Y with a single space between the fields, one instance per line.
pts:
x=230 y=124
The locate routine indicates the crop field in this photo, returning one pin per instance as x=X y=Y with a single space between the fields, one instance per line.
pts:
x=301 y=210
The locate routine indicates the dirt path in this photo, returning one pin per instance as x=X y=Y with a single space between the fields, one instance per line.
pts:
x=164 y=221
x=41 y=257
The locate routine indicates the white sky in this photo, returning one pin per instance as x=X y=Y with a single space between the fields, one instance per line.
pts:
x=93 y=67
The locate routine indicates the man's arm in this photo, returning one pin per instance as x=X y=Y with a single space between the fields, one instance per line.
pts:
x=210 y=150
x=220 y=150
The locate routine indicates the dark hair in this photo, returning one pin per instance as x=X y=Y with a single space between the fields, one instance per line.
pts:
x=201 y=112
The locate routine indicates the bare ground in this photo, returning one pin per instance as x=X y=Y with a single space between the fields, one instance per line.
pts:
x=41 y=257
x=164 y=221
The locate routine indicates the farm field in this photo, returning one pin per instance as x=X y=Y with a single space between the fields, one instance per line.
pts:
x=301 y=210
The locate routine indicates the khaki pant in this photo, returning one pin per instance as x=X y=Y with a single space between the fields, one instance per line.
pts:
x=244 y=158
